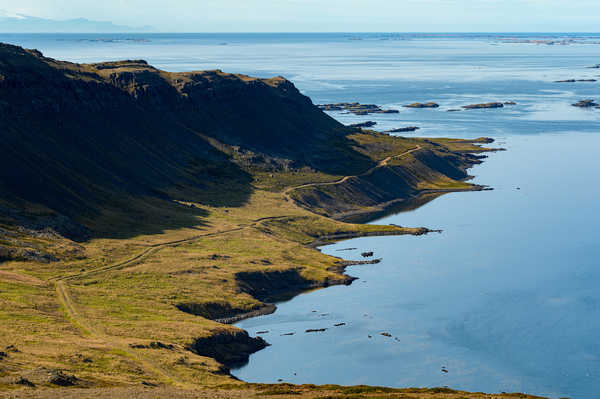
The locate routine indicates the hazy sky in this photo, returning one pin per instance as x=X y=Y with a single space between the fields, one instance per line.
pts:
x=326 y=15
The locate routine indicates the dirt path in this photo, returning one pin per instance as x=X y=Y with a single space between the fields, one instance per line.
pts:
x=379 y=165
x=87 y=329
x=66 y=300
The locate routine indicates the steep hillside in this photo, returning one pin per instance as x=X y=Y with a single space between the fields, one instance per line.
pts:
x=80 y=138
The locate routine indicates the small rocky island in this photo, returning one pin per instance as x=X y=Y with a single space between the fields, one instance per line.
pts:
x=357 y=108
x=575 y=80
x=484 y=105
x=422 y=105
x=586 y=104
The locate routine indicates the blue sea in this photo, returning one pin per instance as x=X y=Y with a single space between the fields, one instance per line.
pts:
x=507 y=297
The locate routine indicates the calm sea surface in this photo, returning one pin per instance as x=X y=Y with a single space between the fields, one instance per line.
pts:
x=507 y=298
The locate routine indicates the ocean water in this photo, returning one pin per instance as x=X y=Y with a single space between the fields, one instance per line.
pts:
x=506 y=298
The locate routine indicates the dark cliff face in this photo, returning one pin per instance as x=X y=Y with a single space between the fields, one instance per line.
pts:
x=76 y=137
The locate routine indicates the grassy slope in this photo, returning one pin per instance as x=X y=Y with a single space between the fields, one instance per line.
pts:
x=210 y=239
x=118 y=299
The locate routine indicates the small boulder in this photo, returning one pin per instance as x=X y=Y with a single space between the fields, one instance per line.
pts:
x=25 y=382
x=62 y=379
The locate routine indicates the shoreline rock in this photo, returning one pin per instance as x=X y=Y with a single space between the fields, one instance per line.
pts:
x=363 y=124
x=403 y=129
x=347 y=263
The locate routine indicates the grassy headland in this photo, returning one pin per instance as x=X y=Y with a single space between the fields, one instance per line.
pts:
x=142 y=209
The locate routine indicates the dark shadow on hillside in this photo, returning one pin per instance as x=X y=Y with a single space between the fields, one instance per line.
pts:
x=407 y=205
x=114 y=146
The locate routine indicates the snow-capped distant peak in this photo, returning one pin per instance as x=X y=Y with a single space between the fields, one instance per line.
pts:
x=6 y=14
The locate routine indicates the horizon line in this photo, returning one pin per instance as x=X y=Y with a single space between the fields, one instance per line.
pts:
x=307 y=32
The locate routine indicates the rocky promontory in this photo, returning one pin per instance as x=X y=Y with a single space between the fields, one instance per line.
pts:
x=363 y=124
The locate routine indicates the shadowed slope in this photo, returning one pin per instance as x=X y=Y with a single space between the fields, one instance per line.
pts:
x=81 y=139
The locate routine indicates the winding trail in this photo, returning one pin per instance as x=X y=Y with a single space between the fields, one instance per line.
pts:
x=149 y=365
x=379 y=165
x=87 y=329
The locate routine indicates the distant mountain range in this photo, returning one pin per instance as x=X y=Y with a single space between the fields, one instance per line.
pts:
x=19 y=23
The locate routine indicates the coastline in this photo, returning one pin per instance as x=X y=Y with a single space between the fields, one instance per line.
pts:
x=361 y=217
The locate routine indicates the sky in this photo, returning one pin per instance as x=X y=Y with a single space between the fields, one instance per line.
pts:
x=326 y=15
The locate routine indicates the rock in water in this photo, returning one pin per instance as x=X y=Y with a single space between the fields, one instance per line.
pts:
x=315 y=330
x=585 y=104
x=422 y=105
x=484 y=105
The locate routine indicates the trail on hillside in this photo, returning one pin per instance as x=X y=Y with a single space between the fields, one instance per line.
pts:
x=86 y=328
x=79 y=320
x=379 y=165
